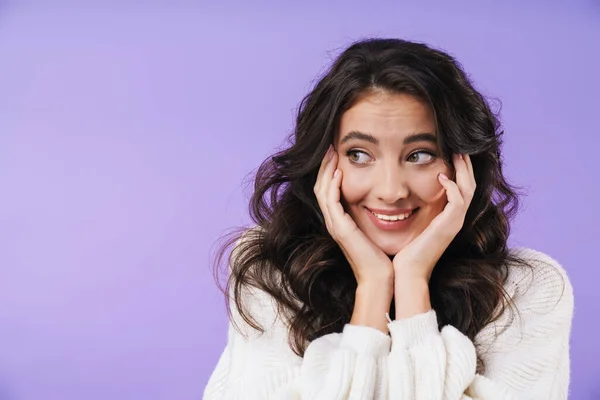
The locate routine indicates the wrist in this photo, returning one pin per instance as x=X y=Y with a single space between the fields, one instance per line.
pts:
x=411 y=282
x=411 y=296
x=414 y=274
x=380 y=294
x=371 y=304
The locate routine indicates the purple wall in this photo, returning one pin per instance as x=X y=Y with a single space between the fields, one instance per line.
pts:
x=125 y=132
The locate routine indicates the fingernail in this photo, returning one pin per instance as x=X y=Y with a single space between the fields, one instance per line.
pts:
x=336 y=173
x=330 y=151
x=443 y=176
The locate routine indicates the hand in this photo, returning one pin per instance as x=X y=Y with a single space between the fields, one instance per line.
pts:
x=416 y=261
x=372 y=268
x=369 y=263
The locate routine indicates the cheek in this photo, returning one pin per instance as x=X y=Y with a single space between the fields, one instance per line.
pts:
x=354 y=186
x=427 y=187
x=428 y=190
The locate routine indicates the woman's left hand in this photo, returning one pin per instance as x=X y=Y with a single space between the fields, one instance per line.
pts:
x=416 y=261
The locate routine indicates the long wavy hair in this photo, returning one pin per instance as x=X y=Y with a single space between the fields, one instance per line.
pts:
x=293 y=258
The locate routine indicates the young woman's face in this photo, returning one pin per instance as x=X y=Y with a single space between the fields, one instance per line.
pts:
x=388 y=153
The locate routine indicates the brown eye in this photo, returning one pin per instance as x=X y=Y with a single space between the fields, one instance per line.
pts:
x=421 y=157
x=358 y=157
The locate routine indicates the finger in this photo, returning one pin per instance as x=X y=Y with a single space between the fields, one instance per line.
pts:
x=334 y=206
x=321 y=175
x=469 y=163
x=324 y=163
x=455 y=197
x=463 y=179
x=325 y=185
x=342 y=222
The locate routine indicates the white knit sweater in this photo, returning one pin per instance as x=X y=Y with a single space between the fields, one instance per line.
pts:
x=528 y=360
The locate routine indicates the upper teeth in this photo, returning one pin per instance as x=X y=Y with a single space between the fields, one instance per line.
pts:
x=392 y=217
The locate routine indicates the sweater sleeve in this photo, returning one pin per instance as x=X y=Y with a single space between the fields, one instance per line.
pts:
x=254 y=365
x=526 y=354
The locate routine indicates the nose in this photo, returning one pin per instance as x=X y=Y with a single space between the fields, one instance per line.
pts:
x=391 y=185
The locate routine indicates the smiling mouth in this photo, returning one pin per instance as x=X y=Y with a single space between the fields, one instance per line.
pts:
x=395 y=217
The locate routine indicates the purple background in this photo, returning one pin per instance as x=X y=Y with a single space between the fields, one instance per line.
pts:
x=126 y=131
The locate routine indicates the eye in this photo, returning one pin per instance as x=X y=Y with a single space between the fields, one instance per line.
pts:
x=358 y=157
x=421 y=157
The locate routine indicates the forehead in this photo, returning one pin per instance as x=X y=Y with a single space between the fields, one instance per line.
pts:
x=385 y=115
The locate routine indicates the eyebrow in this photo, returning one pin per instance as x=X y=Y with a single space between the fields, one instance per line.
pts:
x=367 y=137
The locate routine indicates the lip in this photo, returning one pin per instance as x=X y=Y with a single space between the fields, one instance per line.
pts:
x=391 y=225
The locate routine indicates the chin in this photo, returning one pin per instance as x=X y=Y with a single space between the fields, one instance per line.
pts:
x=390 y=247
x=391 y=250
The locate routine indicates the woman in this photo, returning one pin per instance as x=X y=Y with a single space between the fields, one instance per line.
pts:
x=379 y=267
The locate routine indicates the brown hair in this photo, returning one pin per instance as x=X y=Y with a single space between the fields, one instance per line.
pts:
x=294 y=259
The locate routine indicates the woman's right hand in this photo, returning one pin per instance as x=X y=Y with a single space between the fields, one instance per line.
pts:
x=372 y=268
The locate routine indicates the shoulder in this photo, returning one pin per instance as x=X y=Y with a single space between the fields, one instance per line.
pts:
x=540 y=275
x=541 y=303
x=539 y=285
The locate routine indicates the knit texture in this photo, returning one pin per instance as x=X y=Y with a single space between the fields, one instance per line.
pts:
x=526 y=354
